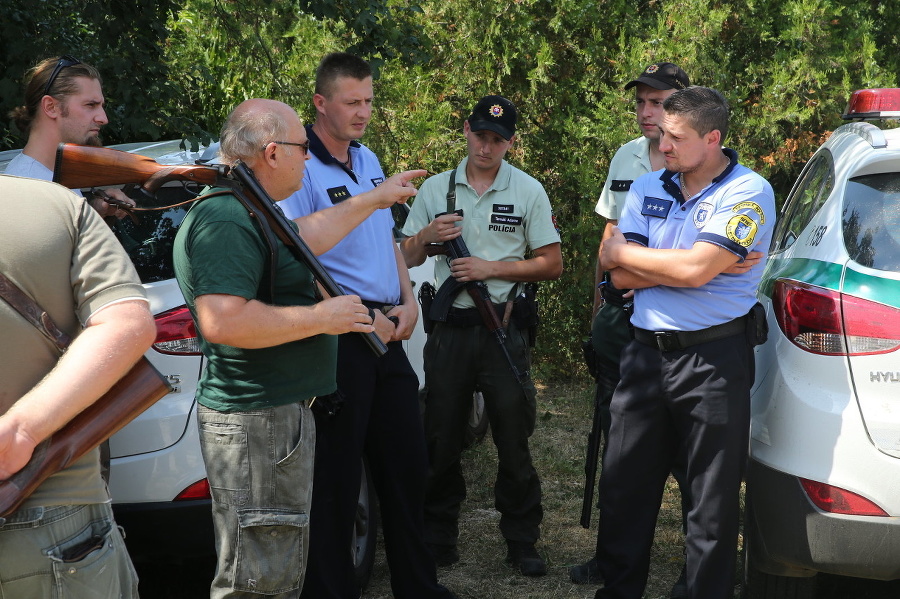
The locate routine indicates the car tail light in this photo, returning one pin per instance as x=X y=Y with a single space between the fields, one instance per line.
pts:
x=880 y=103
x=822 y=321
x=835 y=500
x=176 y=333
x=198 y=490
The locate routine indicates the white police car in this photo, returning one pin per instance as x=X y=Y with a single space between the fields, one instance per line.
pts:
x=823 y=481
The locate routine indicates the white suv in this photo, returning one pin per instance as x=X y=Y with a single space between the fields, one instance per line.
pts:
x=823 y=482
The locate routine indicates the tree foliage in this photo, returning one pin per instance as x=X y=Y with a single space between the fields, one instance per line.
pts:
x=787 y=68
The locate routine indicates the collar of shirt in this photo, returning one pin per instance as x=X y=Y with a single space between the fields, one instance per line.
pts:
x=319 y=150
x=674 y=189
x=501 y=180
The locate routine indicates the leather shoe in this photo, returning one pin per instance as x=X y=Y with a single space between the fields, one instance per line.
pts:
x=443 y=555
x=525 y=558
x=586 y=573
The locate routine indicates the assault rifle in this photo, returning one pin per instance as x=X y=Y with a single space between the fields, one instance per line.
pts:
x=591 y=460
x=477 y=290
x=86 y=166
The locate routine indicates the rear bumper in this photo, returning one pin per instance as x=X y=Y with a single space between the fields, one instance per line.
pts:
x=167 y=531
x=789 y=536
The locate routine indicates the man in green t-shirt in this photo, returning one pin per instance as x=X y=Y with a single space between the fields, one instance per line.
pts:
x=266 y=359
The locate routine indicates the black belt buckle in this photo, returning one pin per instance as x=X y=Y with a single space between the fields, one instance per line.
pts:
x=667 y=340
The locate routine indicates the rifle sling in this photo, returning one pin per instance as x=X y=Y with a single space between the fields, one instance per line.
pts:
x=263 y=294
x=33 y=313
x=450 y=288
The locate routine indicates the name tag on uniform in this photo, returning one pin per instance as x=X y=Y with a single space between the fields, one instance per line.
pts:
x=377 y=181
x=338 y=194
x=657 y=207
x=502 y=219
x=503 y=208
x=620 y=185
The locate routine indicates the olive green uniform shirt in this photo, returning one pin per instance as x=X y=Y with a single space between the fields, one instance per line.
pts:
x=58 y=250
x=513 y=215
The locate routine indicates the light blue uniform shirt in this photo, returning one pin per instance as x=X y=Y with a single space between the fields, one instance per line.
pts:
x=363 y=263
x=736 y=212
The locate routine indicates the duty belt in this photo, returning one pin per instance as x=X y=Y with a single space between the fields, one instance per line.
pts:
x=678 y=340
x=470 y=317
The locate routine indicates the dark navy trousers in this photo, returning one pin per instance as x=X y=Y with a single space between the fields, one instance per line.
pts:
x=690 y=407
x=380 y=417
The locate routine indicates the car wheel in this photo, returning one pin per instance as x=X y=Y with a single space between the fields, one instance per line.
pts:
x=760 y=585
x=365 y=532
x=477 y=426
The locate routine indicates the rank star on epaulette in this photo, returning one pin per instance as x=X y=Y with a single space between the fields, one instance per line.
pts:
x=652 y=69
x=496 y=111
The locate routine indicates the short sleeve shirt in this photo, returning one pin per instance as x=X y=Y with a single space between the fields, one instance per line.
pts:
x=513 y=215
x=364 y=262
x=57 y=250
x=736 y=212
x=220 y=250
x=24 y=165
x=629 y=162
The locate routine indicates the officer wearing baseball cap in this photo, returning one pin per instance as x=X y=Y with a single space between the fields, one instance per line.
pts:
x=507 y=224
x=662 y=75
x=494 y=113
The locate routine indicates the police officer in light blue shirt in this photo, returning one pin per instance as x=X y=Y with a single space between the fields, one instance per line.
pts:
x=380 y=413
x=684 y=244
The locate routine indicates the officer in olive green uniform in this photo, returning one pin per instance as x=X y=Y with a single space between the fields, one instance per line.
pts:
x=505 y=213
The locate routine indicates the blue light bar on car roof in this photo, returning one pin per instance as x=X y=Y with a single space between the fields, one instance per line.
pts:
x=882 y=103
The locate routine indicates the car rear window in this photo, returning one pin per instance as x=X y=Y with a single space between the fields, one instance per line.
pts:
x=871 y=220
x=149 y=241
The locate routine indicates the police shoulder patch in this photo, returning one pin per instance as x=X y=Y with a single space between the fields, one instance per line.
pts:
x=702 y=212
x=742 y=230
x=751 y=206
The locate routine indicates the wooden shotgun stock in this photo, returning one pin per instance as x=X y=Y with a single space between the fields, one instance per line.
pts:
x=92 y=166
x=139 y=389
x=87 y=166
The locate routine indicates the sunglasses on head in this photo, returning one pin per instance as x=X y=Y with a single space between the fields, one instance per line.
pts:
x=65 y=61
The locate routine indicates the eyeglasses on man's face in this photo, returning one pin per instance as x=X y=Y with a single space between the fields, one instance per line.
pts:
x=65 y=61
x=304 y=145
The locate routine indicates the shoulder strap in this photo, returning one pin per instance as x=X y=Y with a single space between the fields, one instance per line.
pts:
x=451 y=192
x=33 y=313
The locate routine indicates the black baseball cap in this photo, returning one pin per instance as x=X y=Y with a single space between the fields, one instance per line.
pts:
x=662 y=75
x=494 y=113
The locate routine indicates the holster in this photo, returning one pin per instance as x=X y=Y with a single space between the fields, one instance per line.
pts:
x=525 y=311
x=426 y=299
x=757 y=325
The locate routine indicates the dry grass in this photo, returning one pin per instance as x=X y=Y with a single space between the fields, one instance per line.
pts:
x=558 y=445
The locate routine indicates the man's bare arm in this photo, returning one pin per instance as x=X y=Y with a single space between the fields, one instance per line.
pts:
x=545 y=264
x=112 y=341
x=323 y=229
x=692 y=267
x=439 y=230
x=251 y=324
